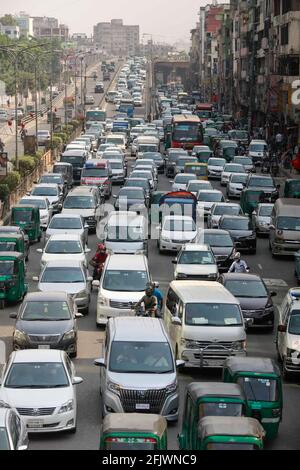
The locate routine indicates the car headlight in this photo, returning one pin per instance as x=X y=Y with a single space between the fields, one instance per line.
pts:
x=69 y=335
x=68 y=406
x=165 y=239
x=279 y=240
x=239 y=345
x=103 y=300
x=212 y=276
x=19 y=335
x=113 y=387
x=290 y=351
x=3 y=404
x=189 y=343
x=172 y=387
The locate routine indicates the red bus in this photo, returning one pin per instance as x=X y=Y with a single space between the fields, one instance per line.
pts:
x=204 y=111
x=186 y=132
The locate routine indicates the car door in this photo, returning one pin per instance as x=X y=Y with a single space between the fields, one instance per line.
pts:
x=284 y=313
x=72 y=373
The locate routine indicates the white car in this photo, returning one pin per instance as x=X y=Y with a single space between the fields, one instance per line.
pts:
x=69 y=224
x=44 y=206
x=181 y=181
x=51 y=191
x=43 y=137
x=40 y=386
x=257 y=149
x=194 y=186
x=215 y=167
x=230 y=168
x=236 y=184
x=219 y=209
x=196 y=262
x=64 y=248
x=175 y=231
x=206 y=199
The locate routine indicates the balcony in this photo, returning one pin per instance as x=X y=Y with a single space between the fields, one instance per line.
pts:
x=286 y=18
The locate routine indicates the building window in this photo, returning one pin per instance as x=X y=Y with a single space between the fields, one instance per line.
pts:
x=277 y=7
x=286 y=6
x=285 y=35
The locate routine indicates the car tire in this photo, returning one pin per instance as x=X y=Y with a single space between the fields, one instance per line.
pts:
x=73 y=355
x=73 y=430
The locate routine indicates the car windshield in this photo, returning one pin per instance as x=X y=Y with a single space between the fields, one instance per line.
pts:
x=141 y=357
x=258 y=148
x=236 y=224
x=51 y=179
x=62 y=275
x=34 y=202
x=131 y=194
x=147 y=148
x=214 y=239
x=22 y=216
x=179 y=225
x=43 y=191
x=227 y=209
x=182 y=161
x=212 y=314
x=63 y=247
x=196 y=257
x=288 y=223
x=46 y=311
x=243 y=161
x=79 y=161
x=125 y=233
x=183 y=179
x=233 y=168
x=65 y=223
x=220 y=409
x=261 y=182
x=116 y=165
x=246 y=288
x=294 y=323
x=7 y=268
x=238 y=179
x=115 y=141
x=138 y=183
x=195 y=187
x=37 y=375
x=210 y=197
x=265 y=211
x=259 y=389
x=125 y=280
x=4 y=442
x=216 y=162
x=94 y=172
x=79 y=202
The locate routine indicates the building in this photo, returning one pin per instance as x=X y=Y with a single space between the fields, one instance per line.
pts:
x=25 y=23
x=13 y=32
x=47 y=27
x=116 y=38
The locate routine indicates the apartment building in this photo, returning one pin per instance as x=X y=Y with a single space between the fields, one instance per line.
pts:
x=116 y=38
x=48 y=27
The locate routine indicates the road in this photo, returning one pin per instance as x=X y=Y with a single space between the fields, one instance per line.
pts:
x=280 y=275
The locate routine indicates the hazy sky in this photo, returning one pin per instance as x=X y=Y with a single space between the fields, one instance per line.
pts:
x=167 y=20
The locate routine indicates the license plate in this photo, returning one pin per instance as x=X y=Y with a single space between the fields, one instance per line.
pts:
x=43 y=346
x=213 y=363
x=35 y=423
x=142 y=406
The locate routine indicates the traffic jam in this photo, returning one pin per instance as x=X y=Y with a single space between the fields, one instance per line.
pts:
x=165 y=241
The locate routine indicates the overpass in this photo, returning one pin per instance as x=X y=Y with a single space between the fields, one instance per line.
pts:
x=170 y=71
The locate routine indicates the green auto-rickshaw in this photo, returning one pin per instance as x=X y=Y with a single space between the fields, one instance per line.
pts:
x=229 y=153
x=250 y=198
x=28 y=219
x=12 y=277
x=208 y=399
x=204 y=155
x=13 y=242
x=261 y=381
x=292 y=188
x=230 y=433
x=133 y=431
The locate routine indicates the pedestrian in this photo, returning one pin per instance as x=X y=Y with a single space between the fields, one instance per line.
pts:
x=279 y=140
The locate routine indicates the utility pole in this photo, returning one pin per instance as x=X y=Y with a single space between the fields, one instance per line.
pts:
x=252 y=69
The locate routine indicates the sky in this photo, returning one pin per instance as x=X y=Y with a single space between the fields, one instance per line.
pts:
x=166 y=20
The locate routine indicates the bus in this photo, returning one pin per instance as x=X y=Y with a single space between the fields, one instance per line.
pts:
x=186 y=131
x=95 y=115
x=204 y=111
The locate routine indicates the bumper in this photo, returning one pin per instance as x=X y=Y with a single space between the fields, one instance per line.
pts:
x=234 y=192
x=106 y=312
x=53 y=423
x=291 y=365
x=172 y=246
x=69 y=346
x=214 y=174
x=208 y=359
x=285 y=249
x=245 y=245
x=169 y=410
x=263 y=319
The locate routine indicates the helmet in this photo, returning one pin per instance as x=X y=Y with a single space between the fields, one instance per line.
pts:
x=237 y=256
x=101 y=247
x=149 y=290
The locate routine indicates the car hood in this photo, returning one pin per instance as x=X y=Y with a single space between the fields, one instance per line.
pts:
x=196 y=269
x=214 y=333
x=179 y=186
x=293 y=341
x=240 y=233
x=121 y=296
x=260 y=219
x=140 y=381
x=70 y=288
x=252 y=303
x=124 y=247
x=63 y=257
x=222 y=250
x=36 y=398
x=178 y=235
x=215 y=168
x=130 y=202
x=44 y=327
x=56 y=231
x=82 y=212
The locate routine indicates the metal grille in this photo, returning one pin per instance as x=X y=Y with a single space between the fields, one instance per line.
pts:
x=121 y=305
x=178 y=241
x=35 y=411
x=220 y=345
x=48 y=339
x=154 y=398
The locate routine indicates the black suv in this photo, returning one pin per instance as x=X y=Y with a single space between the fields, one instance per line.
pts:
x=241 y=231
x=264 y=183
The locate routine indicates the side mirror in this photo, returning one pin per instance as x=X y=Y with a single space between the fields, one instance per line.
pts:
x=86 y=226
x=96 y=283
x=13 y=315
x=100 y=362
x=179 y=363
x=87 y=250
x=273 y=294
x=174 y=261
x=39 y=250
x=281 y=328
x=77 y=380
x=78 y=315
x=35 y=278
x=24 y=447
x=176 y=321
x=90 y=279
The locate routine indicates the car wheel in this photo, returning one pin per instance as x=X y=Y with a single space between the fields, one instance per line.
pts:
x=2 y=304
x=73 y=430
x=85 y=311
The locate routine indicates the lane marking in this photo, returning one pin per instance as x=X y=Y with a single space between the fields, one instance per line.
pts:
x=275 y=282
x=260 y=267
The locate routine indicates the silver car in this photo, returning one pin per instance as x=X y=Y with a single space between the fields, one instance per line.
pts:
x=68 y=224
x=138 y=369
x=13 y=434
x=236 y=184
x=67 y=276
x=261 y=218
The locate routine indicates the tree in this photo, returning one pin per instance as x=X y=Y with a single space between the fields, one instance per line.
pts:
x=8 y=20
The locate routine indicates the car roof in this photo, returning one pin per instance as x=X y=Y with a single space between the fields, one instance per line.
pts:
x=215 y=231
x=262 y=365
x=33 y=197
x=124 y=422
x=47 y=296
x=139 y=329
x=65 y=237
x=195 y=247
x=209 y=191
x=214 y=389
x=127 y=262
x=47 y=185
x=230 y=426
x=64 y=215
x=241 y=277
x=37 y=355
x=178 y=217
x=64 y=263
x=203 y=291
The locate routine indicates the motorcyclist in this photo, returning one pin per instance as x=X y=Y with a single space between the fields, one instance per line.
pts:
x=159 y=297
x=150 y=302
x=98 y=260
x=239 y=265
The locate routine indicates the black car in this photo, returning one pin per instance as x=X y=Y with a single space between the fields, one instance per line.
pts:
x=221 y=245
x=264 y=183
x=130 y=198
x=139 y=183
x=99 y=88
x=77 y=158
x=241 y=231
x=158 y=160
x=47 y=321
x=256 y=302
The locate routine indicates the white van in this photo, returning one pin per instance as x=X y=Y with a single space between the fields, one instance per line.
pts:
x=126 y=232
x=116 y=140
x=145 y=143
x=205 y=323
x=122 y=285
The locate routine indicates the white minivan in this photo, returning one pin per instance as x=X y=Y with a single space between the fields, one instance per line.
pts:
x=205 y=323
x=122 y=285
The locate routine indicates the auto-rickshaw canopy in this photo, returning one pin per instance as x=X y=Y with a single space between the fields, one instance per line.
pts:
x=256 y=365
x=230 y=426
x=198 y=390
x=134 y=422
